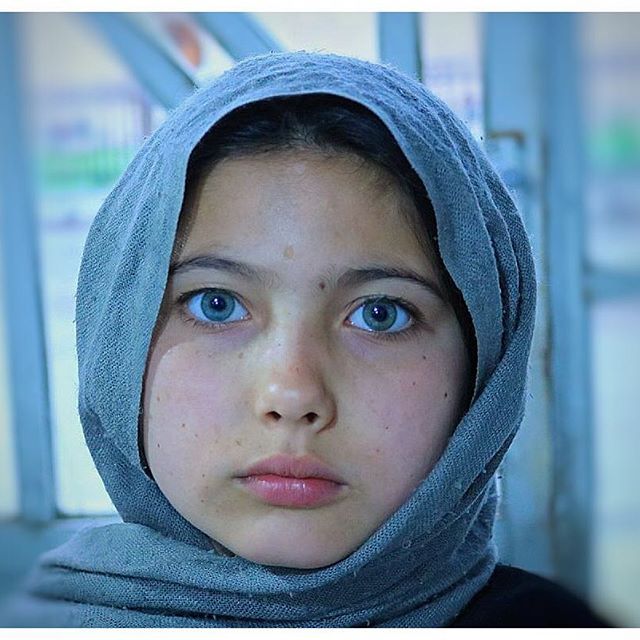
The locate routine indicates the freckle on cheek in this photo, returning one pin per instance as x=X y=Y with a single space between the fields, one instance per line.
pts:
x=240 y=355
x=322 y=285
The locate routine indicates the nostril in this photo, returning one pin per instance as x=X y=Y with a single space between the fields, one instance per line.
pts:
x=310 y=417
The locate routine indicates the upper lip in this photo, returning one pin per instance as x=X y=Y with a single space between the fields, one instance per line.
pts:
x=292 y=467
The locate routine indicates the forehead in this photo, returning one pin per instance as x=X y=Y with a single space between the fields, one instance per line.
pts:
x=314 y=205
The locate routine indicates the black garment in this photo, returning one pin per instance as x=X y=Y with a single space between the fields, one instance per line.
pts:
x=516 y=598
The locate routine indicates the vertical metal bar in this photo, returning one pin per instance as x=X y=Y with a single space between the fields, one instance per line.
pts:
x=23 y=304
x=513 y=133
x=239 y=34
x=164 y=79
x=570 y=362
x=399 y=41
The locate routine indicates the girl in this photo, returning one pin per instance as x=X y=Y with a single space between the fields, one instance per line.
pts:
x=303 y=321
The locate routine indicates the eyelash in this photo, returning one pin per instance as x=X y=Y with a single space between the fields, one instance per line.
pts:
x=415 y=315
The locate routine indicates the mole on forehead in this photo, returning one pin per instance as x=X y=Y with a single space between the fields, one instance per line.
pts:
x=289 y=253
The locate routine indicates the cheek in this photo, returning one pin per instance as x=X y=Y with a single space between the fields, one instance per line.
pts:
x=187 y=406
x=409 y=417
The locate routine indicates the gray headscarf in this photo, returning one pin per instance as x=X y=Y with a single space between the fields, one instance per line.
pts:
x=422 y=565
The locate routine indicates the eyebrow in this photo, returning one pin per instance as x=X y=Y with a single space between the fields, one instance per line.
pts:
x=350 y=277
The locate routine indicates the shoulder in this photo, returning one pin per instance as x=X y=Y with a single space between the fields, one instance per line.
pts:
x=517 y=598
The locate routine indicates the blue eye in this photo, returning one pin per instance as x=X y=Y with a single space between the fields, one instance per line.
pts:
x=381 y=315
x=215 y=306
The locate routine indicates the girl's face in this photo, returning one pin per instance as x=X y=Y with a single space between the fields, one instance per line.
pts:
x=303 y=319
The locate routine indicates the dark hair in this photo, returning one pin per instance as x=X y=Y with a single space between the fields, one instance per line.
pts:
x=329 y=124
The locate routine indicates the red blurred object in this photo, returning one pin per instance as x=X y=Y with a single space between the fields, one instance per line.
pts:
x=186 y=39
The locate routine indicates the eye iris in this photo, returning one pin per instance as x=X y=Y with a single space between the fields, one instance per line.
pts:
x=216 y=306
x=377 y=313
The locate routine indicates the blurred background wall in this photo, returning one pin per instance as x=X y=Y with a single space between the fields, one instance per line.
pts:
x=556 y=101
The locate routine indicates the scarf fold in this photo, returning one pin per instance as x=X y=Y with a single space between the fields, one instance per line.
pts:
x=423 y=564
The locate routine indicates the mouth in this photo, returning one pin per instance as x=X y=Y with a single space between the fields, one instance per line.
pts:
x=286 y=481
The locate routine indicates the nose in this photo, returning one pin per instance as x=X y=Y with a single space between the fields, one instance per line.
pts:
x=292 y=389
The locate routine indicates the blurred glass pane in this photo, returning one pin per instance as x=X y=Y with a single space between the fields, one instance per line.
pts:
x=8 y=484
x=88 y=117
x=611 y=49
x=350 y=34
x=452 y=63
x=616 y=375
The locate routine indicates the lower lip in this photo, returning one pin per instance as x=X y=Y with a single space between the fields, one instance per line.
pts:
x=282 y=491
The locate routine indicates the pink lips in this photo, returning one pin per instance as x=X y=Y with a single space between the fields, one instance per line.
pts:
x=286 y=481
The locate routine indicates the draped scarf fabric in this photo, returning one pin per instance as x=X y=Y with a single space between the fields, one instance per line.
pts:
x=422 y=565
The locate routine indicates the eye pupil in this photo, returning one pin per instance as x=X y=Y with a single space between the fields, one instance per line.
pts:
x=218 y=303
x=217 y=307
x=379 y=315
